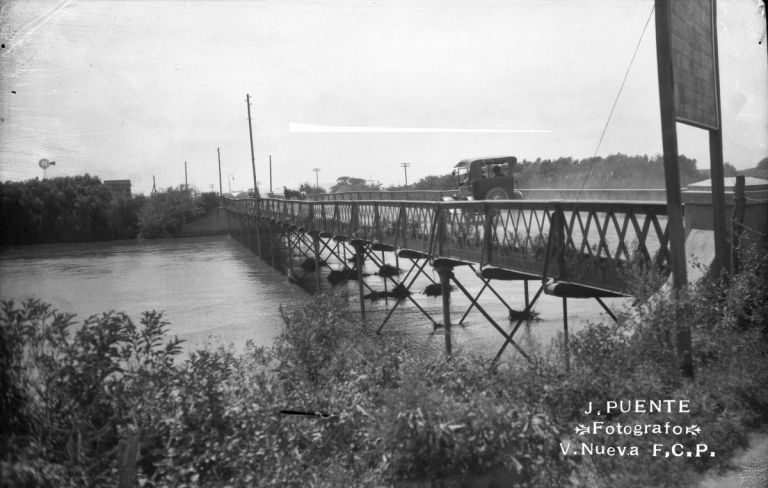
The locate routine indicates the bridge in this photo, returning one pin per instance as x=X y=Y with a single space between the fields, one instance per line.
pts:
x=570 y=248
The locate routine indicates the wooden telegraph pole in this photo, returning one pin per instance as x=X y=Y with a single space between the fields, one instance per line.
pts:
x=186 y=185
x=218 y=153
x=405 y=169
x=270 y=173
x=250 y=134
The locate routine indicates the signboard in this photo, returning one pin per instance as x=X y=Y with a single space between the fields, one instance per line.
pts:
x=692 y=46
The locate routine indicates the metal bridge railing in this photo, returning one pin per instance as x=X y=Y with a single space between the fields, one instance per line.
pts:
x=594 y=243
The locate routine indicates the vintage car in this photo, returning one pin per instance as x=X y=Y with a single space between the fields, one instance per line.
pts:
x=487 y=179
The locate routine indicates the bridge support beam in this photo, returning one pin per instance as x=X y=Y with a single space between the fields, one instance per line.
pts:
x=414 y=272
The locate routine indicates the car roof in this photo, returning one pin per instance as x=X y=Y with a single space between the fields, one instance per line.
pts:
x=465 y=163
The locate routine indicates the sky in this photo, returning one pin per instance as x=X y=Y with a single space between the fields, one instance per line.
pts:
x=133 y=89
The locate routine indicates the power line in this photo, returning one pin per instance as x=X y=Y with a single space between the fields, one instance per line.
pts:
x=624 y=81
x=616 y=101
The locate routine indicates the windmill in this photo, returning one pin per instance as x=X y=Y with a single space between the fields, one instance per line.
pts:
x=44 y=163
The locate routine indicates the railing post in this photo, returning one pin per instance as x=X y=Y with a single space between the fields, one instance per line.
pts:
x=488 y=233
x=561 y=240
x=439 y=229
x=354 y=219
x=399 y=226
x=555 y=244
x=310 y=216
x=323 y=218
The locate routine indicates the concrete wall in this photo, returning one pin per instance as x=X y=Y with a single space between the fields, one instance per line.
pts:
x=698 y=213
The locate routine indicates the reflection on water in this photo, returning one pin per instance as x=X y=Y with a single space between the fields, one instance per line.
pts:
x=212 y=289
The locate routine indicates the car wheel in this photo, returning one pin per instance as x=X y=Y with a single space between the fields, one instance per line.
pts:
x=496 y=194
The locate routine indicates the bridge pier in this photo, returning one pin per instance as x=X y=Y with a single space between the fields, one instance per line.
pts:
x=445 y=271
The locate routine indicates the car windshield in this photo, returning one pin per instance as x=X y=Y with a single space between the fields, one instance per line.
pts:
x=462 y=174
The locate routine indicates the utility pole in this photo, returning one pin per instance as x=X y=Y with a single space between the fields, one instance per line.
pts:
x=405 y=169
x=218 y=153
x=270 y=173
x=317 y=174
x=154 y=187
x=250 y=133
x=186 y=185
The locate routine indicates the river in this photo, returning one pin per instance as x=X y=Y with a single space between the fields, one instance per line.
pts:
x=214 y=291
x=211 y=289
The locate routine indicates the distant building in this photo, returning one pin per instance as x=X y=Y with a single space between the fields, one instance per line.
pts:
x=119 y=188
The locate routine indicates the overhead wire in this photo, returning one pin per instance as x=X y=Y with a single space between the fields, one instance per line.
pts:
x=574 y=212
x=616 y=101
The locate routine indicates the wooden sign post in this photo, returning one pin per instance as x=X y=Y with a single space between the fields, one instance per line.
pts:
x=689 y=92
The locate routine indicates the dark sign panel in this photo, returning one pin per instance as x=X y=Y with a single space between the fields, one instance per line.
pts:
x=692 y=37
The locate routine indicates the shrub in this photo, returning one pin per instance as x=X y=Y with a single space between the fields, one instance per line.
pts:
x=163 y=214
x=74 y=394
x=453 y=420
x=209 y=200
x=312 y=337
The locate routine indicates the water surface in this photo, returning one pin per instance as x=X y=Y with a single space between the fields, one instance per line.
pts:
x=213 y=290
x=210 y=289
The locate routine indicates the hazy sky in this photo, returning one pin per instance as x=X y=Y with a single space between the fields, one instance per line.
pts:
x=131 y=89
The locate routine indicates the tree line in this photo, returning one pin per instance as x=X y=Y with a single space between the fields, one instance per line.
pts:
x=82 y=209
